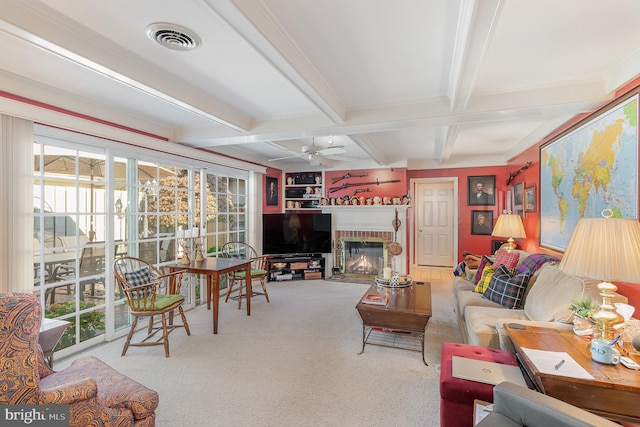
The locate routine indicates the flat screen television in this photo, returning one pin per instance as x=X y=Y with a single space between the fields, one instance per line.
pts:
x=296 y=233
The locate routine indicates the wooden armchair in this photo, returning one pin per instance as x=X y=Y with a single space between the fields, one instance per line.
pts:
x=258 y=270
x=97 y=395
x=150 y=293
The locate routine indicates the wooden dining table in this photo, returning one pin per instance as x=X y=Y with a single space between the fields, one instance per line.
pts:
x=213 y=268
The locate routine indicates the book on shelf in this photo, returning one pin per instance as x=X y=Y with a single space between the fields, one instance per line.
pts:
x=375 y=299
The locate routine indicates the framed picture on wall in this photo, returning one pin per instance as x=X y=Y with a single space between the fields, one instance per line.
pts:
x=271 y=191
x=482 y=222
x=530 y=199
x=481 y=190
x=517 y=192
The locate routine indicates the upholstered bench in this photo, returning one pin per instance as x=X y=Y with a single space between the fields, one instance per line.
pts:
x=457 y=395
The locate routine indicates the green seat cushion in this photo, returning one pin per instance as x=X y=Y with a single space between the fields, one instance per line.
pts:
x=254 y=272
x=163 y=301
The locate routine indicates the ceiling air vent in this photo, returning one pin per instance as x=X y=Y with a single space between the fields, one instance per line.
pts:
x=173 y=36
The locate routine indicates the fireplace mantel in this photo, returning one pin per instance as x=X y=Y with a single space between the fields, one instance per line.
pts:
x=371 y=218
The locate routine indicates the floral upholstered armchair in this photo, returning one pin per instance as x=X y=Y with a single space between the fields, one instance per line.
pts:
x=97 y=394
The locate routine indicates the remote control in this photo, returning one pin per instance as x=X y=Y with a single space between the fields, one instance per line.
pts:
x=516 y=326
x=629 y=363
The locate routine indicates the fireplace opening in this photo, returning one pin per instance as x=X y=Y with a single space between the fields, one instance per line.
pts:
x=363 y=257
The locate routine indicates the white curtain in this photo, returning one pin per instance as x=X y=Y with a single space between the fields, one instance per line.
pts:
x=16 y=204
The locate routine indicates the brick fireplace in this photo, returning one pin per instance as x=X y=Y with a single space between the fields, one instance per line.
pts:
x=362 y=253
x=361 y=235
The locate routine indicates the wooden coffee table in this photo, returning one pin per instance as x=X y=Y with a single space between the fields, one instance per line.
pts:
x=613 y=393
x=406 y=313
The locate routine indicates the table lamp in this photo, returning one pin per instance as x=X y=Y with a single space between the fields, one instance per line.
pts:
x=510 y=226
x=607 y=249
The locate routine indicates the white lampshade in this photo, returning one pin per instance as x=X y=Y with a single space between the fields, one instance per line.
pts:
x=510 y=226
x=605 y=249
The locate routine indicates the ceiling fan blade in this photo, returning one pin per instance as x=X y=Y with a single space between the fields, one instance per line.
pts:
x=284 y=158
x=326 y=162
x=330 y=151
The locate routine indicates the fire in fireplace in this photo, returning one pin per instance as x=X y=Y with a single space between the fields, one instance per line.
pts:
x=363 y=257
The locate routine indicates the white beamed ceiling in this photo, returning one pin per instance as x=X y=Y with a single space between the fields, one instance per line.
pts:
x=415 y=83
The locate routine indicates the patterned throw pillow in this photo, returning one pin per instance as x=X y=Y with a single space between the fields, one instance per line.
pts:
x=505 y=289
x=483 y=284
x=534 y=261
x=483 y=262
x=138 y=277
x=508 y=259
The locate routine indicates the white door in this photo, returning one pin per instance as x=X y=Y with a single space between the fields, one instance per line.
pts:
x=434 y=233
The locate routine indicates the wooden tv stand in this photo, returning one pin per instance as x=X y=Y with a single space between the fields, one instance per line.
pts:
x=295 y=267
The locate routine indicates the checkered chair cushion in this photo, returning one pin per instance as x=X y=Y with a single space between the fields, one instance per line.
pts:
x=139 y=277
x=506 y=289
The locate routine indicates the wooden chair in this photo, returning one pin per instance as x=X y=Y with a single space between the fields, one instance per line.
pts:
x=150 y=293
x=258 y=270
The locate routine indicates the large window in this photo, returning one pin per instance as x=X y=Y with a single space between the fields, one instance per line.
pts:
x=69 y=238
x=226 y=211
x=91 y=207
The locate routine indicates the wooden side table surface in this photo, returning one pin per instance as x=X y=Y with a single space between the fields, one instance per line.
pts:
x=613 y=393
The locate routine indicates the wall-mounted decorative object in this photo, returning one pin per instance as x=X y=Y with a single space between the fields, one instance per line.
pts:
x=517 y=172
x=591 y=167
x=482 y=190
x=530 y=199
x=271 y=191
x=517 y=192
x=481 y=222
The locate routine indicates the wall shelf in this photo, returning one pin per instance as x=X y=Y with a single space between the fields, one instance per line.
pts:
x=303 y=190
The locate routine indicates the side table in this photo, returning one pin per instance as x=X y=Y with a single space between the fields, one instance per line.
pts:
x=50 y=332
x=612 y=393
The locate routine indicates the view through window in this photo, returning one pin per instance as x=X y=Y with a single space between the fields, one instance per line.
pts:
x=90 y=207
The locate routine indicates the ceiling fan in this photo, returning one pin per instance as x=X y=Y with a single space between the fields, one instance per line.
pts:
x=317 y=154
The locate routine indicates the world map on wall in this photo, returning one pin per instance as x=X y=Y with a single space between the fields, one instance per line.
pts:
x=588 y=170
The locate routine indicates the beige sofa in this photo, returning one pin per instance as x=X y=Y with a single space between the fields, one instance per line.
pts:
x=546 y=301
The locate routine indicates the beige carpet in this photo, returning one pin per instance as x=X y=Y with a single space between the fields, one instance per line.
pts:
x=293 y=362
